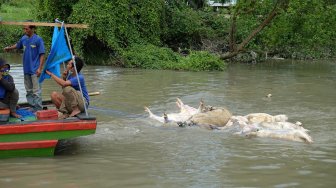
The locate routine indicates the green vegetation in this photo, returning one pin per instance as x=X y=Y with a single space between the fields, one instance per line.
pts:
x=153 y=57
x=18 y=10
x=152 y=34
x=306 y=30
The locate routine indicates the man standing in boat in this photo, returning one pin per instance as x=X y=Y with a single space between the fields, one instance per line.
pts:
x=70 y=102
x=9 y=95
x=33 y=60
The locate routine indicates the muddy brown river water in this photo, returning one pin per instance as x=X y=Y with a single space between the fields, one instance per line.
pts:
x=131 y=150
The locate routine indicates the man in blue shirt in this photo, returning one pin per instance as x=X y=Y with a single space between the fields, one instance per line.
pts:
x=33 y=60
x=70 y=102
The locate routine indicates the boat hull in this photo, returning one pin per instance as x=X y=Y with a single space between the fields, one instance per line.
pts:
x=39 y=138
x=42 y=148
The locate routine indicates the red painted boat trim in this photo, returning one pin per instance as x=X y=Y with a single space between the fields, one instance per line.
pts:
x=28 y=145
x=48 y=126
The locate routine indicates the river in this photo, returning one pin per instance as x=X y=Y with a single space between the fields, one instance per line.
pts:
x=131 y=150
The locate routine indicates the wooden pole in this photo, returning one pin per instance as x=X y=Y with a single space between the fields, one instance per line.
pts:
x=82 y=26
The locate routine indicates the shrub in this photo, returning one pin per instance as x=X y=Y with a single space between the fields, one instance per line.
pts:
x=202 y=61
x=149 y=57
x=153 y=57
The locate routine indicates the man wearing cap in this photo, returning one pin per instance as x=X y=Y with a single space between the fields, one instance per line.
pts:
x=9 y=95
x=33 y=60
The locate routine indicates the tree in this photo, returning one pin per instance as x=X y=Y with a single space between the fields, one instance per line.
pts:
x=2 y=2
x=250 y=7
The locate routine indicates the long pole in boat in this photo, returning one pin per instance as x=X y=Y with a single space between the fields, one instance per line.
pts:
x=74 y=62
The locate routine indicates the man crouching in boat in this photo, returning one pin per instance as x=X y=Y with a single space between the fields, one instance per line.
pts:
x=70 y=101
x=9 y=95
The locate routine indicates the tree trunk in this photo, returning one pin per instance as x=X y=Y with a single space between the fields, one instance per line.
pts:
x=241 y=46
x=232 y=41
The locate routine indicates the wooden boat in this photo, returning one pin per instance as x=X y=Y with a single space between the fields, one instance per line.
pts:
x=38 y=138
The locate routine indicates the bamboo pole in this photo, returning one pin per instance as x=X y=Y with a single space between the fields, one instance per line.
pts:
x=82 y=26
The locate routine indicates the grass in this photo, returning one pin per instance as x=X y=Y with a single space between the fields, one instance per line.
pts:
x=17 y=10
